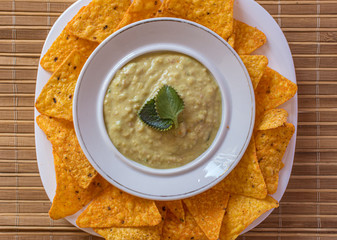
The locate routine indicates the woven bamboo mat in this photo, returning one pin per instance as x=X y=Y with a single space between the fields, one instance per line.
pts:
x=308 y=209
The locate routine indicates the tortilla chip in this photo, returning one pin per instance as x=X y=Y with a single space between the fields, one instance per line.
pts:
x=70 y=197
x=115 y=208
x=61 y=134
x=176 y=207
x=246 y=178
x=241 y=212
x=256 y=66
x=98 y=20
x=217 y=15
x=62 y=47
x=138 y=233
x=139 y=10
x=174 y=229
x=135 y=233
x=208 y=209
x=273 y=90
x=270 y=147
x=247 y=38
x=273 y=118
x=231 y=39
x=56 y=97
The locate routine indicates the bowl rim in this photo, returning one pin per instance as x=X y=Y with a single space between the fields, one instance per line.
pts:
x=220 y=135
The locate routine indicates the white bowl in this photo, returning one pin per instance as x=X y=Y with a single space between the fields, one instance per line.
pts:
x=238 y=108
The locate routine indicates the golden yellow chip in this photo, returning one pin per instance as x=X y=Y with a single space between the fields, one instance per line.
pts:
x=256 y=66
x=242 y=211
x=135 y=233
x=208 y=209
x=70 y=197
x=270 y=147
x=115 y=208
x=62 y=47
x=231 y=39
x=139 y=10
x=61 y=134
x=174 y=229
x=247 y=38
x=98 y=20
x=273 y=90
x=176 y=207
x=217 y=15
x=273 y=118
x=56 y=97
x=246 y=178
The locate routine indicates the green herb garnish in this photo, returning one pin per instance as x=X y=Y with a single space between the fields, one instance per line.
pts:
x=162 y=111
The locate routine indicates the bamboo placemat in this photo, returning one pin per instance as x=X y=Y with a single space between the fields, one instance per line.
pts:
x=308 y=209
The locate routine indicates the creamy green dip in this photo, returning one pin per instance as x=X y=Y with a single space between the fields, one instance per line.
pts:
x=138 y=81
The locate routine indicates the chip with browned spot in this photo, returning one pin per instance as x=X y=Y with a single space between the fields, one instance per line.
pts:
x=135 y=233
x=56 y=97
x=217 y=15
x=272 y=118
x=61 y=134
x=115 y=208
x=256 y=66
x=270 y=147
x=241 y=212
x=98 y=20
x=272 y=91
x=70 y=197
x=208 y=209
x=64 y=44
x=247 y=38
x=174 y=229
x=176 y=207
x=139 y=10
x=246 y=178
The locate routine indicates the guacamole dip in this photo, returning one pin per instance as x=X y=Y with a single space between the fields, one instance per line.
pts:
x=138 y=81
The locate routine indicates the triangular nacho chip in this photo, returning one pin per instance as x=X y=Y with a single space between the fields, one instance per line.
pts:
x=273 y=90
x=208 y=209
x=98 y=20
x=247 y=38
x=273 y=118
x=174 y=229
x=63 y=46
x=177 y=208
x=242 y=211
x=231 y=39
x=139 y=10
x=135 y=233
x=246 y=178
x=61 y=134
x=70 y=197
x=217 y=15
x=270 y=147
x=56 y=97
x=256 y=66
x=115 y=208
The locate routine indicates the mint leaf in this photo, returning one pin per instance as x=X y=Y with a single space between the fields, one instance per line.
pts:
x=162 y=111
x=149 y=116
x=169 y=104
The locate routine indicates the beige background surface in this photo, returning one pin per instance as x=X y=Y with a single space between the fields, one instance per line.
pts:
x=308 y=209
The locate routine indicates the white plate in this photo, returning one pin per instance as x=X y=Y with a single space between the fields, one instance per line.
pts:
x=276 y=49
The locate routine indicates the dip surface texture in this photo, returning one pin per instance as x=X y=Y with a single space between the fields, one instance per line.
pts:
x=138 y=81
